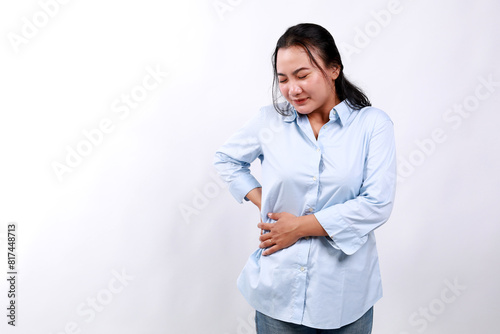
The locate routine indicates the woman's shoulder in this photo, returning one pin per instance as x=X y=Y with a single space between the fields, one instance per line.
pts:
x=267 y=111
x=270 y=112
x=263 y=118
x=373 y=115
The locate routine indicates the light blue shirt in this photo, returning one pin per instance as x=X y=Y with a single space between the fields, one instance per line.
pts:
x=347 y=179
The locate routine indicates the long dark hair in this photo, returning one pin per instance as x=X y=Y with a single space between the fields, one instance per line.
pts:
x=314 y=37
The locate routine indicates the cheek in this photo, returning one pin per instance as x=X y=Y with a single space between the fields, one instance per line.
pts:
x=321 y=87
x=283 y=91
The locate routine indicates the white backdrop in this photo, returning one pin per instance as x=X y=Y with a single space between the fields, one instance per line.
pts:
x=111 y=112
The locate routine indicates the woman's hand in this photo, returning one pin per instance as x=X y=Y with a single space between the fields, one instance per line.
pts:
x=282 y=234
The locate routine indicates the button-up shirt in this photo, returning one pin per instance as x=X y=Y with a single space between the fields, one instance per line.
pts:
x=346 y=177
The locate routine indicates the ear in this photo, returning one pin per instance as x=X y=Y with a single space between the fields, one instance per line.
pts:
x=334 y=72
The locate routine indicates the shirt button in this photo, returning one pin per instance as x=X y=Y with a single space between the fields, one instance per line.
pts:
x=310 y=210
x=314 y=178
x=302 y=268
x=318 y=150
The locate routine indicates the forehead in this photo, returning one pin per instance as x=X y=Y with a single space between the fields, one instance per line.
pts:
x=293 y=57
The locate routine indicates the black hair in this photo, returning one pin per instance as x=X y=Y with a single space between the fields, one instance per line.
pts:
x=314 y=37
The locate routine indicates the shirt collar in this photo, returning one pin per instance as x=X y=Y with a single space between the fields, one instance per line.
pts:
x=341 y=111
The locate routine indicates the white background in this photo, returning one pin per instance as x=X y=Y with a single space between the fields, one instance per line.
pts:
x=119 y=210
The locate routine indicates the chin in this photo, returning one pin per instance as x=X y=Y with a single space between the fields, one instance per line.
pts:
x=302 y=110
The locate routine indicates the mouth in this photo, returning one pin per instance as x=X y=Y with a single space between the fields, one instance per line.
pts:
x=300 y=101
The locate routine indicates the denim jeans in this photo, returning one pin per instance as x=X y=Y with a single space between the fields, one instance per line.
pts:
x=268 y=325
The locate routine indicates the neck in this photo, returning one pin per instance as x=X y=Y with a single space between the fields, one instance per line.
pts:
x=323 y=116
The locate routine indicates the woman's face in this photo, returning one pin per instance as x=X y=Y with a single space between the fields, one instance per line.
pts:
x=303 y=84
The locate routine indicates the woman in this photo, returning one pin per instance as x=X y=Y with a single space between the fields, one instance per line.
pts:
x=328 y=181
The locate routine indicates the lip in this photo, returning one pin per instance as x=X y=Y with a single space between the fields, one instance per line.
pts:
x=300 y=101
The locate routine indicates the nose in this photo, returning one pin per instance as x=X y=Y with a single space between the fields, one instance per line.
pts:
x=294 y=90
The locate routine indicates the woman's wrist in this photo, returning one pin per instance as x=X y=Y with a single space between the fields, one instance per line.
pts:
x=309 y=226
x=255 y=196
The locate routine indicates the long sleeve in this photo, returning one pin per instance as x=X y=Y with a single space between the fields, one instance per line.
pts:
x=233 y=159
x=348 y=224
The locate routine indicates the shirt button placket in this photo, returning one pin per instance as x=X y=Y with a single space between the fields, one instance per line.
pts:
x=314 y=178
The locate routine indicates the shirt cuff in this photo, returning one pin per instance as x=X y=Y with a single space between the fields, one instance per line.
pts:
x=343 y=236
x=240 y=186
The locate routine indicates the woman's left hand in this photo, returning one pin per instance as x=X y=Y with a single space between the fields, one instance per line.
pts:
x=282 y=234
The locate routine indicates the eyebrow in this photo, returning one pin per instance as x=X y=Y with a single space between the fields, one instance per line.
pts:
x=294 y=72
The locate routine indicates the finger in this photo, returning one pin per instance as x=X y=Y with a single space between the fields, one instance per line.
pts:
x=265 y=236
x=273 y=215
x=265 y=226
x=266 y=243
x=271 y=250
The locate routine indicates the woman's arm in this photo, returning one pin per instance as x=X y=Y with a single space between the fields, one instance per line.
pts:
x=255 y=196
x=347 y=224
x=287 y=230
x=233 y=159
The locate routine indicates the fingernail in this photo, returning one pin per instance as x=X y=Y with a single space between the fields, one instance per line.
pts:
x=269 y=214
